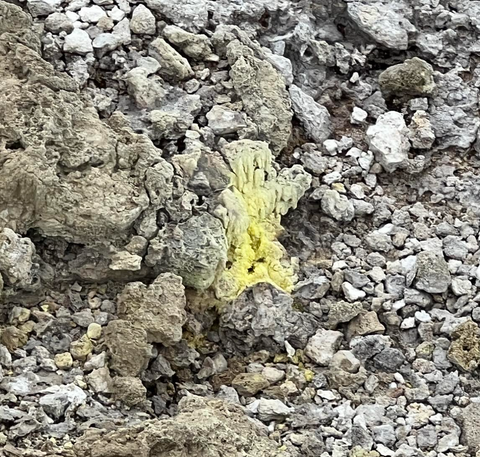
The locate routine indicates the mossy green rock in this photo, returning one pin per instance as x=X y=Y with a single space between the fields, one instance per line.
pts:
x=413 y=77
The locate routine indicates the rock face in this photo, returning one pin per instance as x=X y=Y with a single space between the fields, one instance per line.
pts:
x=413 y=77
x=203 y=428
x=159 y=309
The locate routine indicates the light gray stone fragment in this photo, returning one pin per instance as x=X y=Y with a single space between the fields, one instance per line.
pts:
x=337 y=206
x=388 y=141
x=142 y=21
x=382 y=23
x=322 y=346
x=432 y=275
x=314 y=117
x=269 y=410
x=224 y=121
x=173 y=66
x=78 y=42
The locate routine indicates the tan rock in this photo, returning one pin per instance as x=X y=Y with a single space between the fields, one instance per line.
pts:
x=464 y=350
x=94 y=331
x=128 y=347
x=203 y=428
x=249 y=384
x=129 y=390
x=64 y=361
x=81 y=348
x=159 y=309
x=365 y=324
x=13 y=338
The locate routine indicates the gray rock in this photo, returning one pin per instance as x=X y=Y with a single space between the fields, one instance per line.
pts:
x=58 y=22
x=432 y=275
x=191 y=15
x=78 y=42
x=413 y=77
x=159 y=308
x=322 y=346
x=390 y=360
x=196 y=46
x=461 y=286
x=389 y=142
x=263 y=93
x=195 y=250
x=59 y=398
x=382 y=23
x=224 y=121
x=173 y=66
x=92 y=14
x=143 y=21
x=269 y=410
x=314 y=117
x=384 y=434
x=427 y=437
x=455 y=248
x=42 y=7
x=16 y=258
x=337 y=206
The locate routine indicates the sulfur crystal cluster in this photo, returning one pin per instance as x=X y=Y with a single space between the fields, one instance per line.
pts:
x=251 y=209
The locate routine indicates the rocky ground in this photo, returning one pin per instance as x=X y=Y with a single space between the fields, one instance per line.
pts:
x=239 y=228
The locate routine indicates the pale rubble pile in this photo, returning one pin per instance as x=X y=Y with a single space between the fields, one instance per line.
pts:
x=239 y=228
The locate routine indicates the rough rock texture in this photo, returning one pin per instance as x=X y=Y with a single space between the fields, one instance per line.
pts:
x=159 y=309
x=263 y=94
x=414 y=77
x=201 y=429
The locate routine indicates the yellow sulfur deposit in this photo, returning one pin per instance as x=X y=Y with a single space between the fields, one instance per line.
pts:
x=251 y=210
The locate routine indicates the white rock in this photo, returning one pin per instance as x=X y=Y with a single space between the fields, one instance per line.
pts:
x=351 y=293
x=273 y=375
x=423 y=316
x=91 y=14
x=117 y=14
x=224 y=121
x=58 y=22
x=78 y=42
x=359 y=116
x=106 y=42
x=143 y=21
x=388 y=141
x=407 y=323
x=461 y=286
x=322 y=346
x=272 y=410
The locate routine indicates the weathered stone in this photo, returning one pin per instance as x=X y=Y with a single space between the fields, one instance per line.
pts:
x=159 y=309
x=173 y=66
x=129 y=390
x=195 y=250
x=413 y=77
x=81 y=348
x=464 y=350
x=337 y=206
x=13 y=338
x=129 y=350
x=381 y=23
x=388 y=141
x=193 y=45
x=143 y=21
x=64 y=361
x=365 y=324
x=342 y=311
x=203 y=427
x=432 y=275
x=249 y=384
x=314 y=117
x=322 y=346
x=263 y=93
x=224 y=121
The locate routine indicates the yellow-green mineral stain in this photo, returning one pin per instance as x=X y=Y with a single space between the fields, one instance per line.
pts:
x=251 y=210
